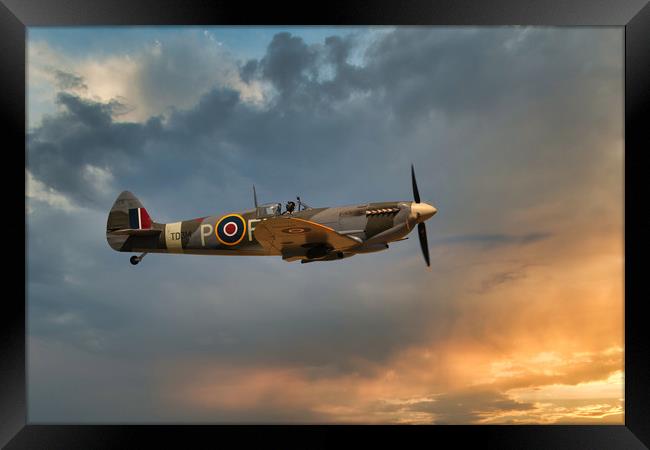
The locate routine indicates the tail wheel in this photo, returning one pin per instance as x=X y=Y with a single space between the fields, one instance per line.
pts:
x=134 y=260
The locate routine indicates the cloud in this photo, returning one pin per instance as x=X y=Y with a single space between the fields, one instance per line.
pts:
x=37 y=191
x=369 y=110
x=314 y=394
x=466 y=407
x=502 y=277
x=288 y=62
x=494 y=239
x=65 y=80
x=84 y=135
x=156 y=76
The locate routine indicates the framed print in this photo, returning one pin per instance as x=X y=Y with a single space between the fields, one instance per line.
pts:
x=267 y=223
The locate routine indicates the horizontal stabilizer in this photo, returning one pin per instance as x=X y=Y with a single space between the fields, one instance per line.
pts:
x=136 y=232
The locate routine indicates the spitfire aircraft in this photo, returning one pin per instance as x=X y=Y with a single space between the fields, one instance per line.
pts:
x=306 y=234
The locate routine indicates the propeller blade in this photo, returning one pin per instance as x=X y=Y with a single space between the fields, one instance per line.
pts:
x=416 y=193
x=422 y=234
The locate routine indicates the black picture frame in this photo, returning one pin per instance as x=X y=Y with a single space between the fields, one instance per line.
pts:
x=633 y=15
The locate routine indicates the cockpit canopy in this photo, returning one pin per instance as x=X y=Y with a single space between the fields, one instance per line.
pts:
x=269 y=210
x=275 y=209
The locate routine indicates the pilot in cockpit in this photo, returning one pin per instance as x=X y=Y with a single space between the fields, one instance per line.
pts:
x=290 y=207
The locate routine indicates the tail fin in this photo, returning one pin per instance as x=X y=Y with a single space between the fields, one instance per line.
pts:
x=127 y=218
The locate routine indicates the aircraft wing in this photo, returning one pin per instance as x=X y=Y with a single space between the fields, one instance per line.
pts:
x=287 y=233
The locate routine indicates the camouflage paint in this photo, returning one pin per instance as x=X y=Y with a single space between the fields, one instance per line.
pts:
x=373 y=225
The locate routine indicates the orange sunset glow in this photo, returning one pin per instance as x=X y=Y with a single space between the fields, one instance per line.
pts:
x=536 y=343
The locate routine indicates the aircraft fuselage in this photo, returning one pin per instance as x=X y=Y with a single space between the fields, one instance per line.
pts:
x=373 y=225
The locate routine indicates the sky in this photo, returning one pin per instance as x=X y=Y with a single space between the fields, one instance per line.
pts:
x=516 y=134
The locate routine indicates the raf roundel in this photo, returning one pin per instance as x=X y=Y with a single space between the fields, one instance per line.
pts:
x=230 y=229
x=296 y=230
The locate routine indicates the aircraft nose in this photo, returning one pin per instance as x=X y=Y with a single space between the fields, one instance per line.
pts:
x=422 y=211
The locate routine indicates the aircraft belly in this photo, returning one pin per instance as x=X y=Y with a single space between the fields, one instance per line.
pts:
x=239 y=252
x=196 y=251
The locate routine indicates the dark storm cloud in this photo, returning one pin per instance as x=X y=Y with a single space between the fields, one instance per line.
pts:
x=494 y=239
x=92 y=114
x=308 y=77
x=66 y=80
x=83 y=134
x=247 y=71
x=289 y=63
x=467 y=406
x=328 y=113
x=214 y=114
